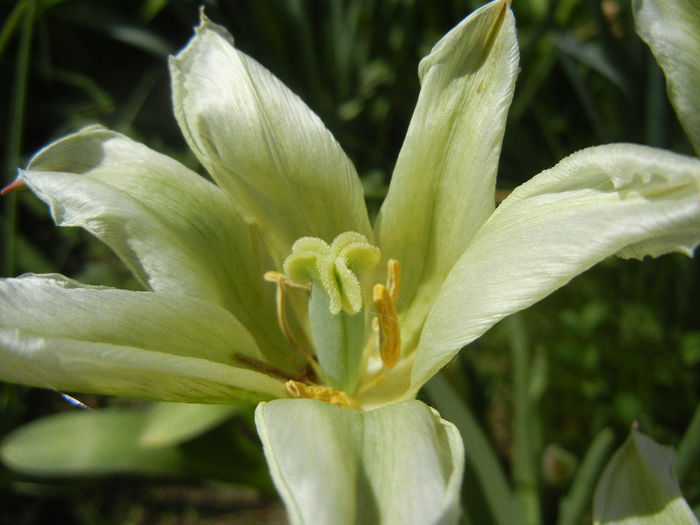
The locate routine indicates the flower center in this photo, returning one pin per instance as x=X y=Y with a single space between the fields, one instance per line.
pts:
x=337 y=318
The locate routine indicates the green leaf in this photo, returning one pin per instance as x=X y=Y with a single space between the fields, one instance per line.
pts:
x=617 y=199
x=639 y=487
x=397 y=464
x=176 y=232
x=442 y=188
x=576 y=503
x=167 y=424
x=671 y=28
x=263 y=145
x=689 y=447
x=88 y=443
x=482 y=464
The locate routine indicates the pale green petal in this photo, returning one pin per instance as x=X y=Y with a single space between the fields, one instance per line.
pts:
x=88 y=443
x=167 y=424
x=617 y=199
x=672 y=30
x=442 y=188
x=400 y=464
x=65 y=364
x=177 y=232
x=55 y=333
x=639 y=487
x=262 y=144
x=60 y=307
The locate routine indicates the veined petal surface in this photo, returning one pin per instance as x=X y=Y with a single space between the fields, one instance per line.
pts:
x=442 y=189
x=262 y=144
x=400 y=464
x=177 y=232
x=55 y=333
x=617 y=199
x=672 y=30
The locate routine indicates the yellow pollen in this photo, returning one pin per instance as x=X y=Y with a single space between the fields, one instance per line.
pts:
x=322 y=393
x=389 y=330
x=393 y=278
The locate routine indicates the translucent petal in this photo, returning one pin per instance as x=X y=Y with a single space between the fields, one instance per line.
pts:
x=262 y=144
x=397 y=464
x=617 y=199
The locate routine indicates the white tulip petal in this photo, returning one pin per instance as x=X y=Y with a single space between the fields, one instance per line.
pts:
x=60 y=307
x=177 y=232
x=400 y=464
x=672 y=30
x=55 y=333
x=442 y=189
x=70 y=365
x=618 y=199
x=261 y=143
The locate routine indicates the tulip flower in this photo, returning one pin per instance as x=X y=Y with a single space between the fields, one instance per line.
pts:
x=271 y=285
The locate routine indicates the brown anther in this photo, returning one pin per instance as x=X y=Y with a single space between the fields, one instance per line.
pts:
x=389 y=329
x=322 y=393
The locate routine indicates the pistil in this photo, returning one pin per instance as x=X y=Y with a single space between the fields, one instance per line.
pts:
x=342 y=348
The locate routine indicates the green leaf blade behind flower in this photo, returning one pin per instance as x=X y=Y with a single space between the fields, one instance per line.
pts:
x=617 y=199
x=398 y=464
x=56 y=333
x=671 y=28
x=261 y=143
x=442 y=188
x=168 y=424
x=639 y=487
x=177 y=232
x=88 y=443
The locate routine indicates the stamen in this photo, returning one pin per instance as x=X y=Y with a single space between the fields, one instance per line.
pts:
x=389 y=330
x=322 y=393
x=393 y=278
x=282 y=281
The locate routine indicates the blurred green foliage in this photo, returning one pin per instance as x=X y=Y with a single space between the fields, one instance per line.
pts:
x=620 y=344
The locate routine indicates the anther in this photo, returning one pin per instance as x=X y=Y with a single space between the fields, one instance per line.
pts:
x=322 y=393
x=393 y=278
x=389 y=330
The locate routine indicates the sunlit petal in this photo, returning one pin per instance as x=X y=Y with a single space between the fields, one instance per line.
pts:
x=617 y=199
x=397 y=464
x=263 y=145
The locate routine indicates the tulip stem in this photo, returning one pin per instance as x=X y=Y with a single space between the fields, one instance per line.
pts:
x=14 y=140
x=526 y=449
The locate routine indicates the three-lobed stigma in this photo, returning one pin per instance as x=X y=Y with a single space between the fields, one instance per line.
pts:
x=334 y=267
x=342 y=338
